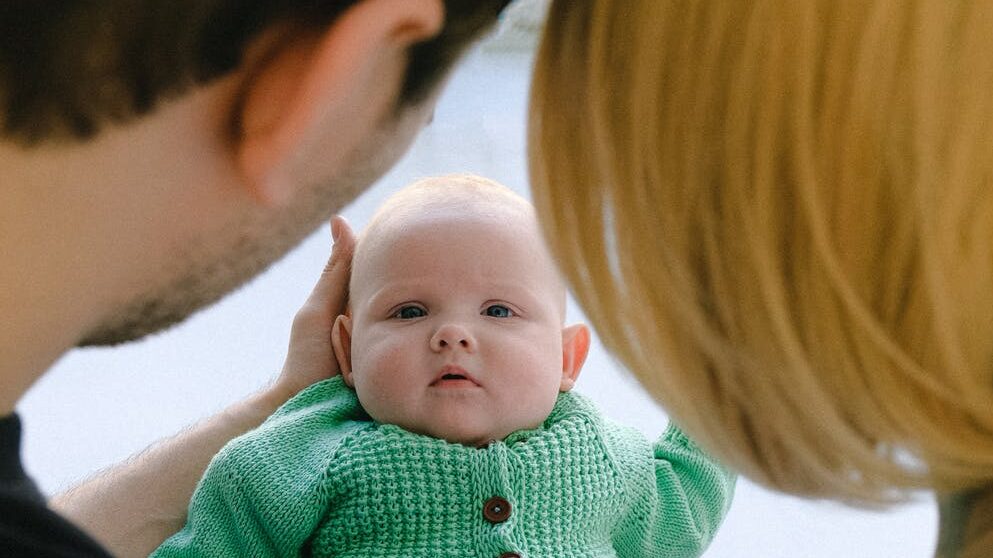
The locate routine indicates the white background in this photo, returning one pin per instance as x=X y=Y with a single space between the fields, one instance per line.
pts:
x=99 y=406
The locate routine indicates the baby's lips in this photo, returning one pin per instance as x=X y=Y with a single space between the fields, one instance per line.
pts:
x=453 y=372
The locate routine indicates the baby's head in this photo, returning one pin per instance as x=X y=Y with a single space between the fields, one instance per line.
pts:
x=456 y=321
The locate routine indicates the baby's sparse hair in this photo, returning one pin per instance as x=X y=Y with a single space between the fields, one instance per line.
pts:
x=456 y=191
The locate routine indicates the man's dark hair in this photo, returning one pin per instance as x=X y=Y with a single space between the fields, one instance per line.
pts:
x=68 y=67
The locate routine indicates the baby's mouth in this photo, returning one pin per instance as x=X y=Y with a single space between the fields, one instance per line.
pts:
x=454 y=376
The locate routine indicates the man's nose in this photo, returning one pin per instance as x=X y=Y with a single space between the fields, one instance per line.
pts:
x=453 y=336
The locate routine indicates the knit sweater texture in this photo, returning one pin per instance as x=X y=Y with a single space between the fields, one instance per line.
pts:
x=321 y=478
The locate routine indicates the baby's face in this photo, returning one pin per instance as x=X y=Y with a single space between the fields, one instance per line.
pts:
x=456 y=327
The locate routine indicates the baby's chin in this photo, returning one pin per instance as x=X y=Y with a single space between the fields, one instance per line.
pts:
x=470 y=427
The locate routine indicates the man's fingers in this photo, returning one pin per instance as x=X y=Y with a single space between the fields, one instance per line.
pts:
x=331 y=291
x=344 y=242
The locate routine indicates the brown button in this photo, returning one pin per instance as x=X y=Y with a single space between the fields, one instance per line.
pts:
x=510 y=555
x=496 y=510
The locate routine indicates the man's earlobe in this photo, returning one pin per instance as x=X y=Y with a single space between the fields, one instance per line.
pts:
x=341 y=342
x=575 y=347
x=308 y=99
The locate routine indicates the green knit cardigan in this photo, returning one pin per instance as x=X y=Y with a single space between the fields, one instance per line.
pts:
x=320 y=478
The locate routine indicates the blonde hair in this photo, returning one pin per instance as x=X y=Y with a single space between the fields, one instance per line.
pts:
x=779 y=216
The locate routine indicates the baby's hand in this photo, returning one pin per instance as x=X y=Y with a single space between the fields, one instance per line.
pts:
x=310 y=357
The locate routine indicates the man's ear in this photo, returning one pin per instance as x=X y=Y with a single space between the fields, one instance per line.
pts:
x=575 y=347
x=341 y=342
x=311 y=98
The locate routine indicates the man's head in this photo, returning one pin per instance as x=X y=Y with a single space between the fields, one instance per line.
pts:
x=190 y=144
x=70 y=68
x=457 y=312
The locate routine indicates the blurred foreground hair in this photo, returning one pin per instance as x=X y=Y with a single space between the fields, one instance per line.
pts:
x=779 y=215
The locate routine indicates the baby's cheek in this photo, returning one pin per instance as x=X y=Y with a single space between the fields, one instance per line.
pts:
x=375 y=370
x=375 y=357
x=535 y=393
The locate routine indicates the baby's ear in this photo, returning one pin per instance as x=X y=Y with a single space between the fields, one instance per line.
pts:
x=575 y=347
x=341 y=342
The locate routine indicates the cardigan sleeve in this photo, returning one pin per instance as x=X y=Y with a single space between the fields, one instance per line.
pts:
x=679 y=515
x=265 y=492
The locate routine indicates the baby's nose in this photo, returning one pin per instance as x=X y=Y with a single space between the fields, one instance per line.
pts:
x=452 y=336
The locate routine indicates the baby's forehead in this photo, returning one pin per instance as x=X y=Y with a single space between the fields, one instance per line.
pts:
x=424 y=228
x=456 y=198
x=406 y=219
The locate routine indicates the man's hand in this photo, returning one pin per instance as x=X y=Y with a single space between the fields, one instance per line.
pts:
x=310 y=357
x=133 y=507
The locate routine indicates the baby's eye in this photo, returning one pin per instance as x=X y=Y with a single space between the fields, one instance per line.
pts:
x=498 y=311
x=410 y=312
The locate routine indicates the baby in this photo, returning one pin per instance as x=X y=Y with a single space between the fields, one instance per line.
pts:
x=452 y=430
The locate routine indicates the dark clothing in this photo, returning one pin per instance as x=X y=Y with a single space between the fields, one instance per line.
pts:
x=27 y=526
